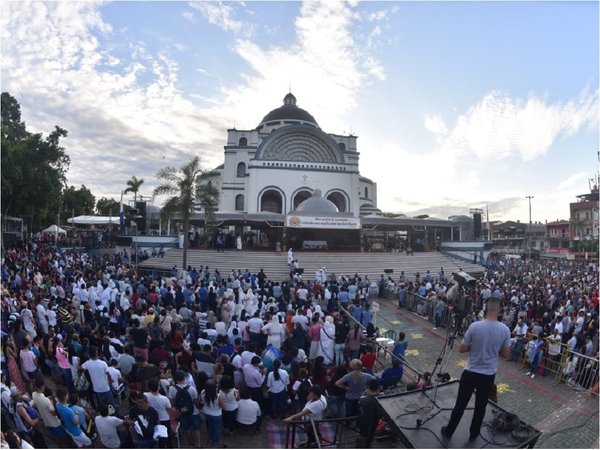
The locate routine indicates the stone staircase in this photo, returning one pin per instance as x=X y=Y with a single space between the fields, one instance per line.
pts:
x=275 y=264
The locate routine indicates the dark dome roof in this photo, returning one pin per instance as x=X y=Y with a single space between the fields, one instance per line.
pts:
x=289 y=111
x=317 y=204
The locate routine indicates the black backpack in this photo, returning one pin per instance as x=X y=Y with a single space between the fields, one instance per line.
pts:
x=183 y=401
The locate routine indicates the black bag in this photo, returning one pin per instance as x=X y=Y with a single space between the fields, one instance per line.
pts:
x=183 y=401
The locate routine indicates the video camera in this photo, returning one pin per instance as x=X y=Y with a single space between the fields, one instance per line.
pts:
x=462 y=303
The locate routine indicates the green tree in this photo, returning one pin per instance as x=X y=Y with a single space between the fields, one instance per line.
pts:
x=185 y=188
x=578 y=225
x=78 y=201
x=33 y=168
x=133 y=185
x=106 y=206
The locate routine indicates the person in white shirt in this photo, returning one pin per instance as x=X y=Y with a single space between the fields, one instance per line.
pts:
x=277 y=382
x=115 y=374
x=162 y=405
x=315 y=407
x=248 y=413
x=255 y=326
x=231 y=397
x=300 y=317
x=100 y=376
x=107 y=428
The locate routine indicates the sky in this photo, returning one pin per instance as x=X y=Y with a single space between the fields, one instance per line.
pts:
x=456 y=105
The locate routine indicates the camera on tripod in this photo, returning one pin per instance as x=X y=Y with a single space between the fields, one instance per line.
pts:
x=463 y=304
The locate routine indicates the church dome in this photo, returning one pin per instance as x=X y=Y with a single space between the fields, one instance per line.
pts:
x=316 y=204
x=289 y=111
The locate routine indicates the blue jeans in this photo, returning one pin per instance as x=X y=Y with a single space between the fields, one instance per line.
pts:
x=106 y=396
x=278 y=401
x=336 y=406
x=351 y=407
x=67 y=377
x=213 y=426
x=338 y=359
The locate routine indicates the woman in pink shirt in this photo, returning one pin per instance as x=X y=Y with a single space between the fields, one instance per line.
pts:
x=62 y=358
x=314 y=333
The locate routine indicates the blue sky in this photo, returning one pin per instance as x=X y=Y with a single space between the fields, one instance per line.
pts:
x=456 y=104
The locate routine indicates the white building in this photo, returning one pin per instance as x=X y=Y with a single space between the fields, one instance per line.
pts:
x=275 y=166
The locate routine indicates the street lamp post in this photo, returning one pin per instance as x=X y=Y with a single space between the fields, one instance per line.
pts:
x=529 y=197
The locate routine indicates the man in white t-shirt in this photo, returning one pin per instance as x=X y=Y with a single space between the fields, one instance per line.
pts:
x=315 y=407
x=161 y=404
x=100 y=376
x=107 y=428
x=248 y=413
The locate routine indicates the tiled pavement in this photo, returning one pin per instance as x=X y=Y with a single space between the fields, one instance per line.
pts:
x=538 y=402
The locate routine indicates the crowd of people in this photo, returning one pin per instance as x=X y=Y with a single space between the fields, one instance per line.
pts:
x=92 y=351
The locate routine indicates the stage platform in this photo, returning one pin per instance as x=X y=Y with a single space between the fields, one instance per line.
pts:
x=402 y=411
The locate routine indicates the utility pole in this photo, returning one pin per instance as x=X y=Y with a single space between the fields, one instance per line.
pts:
x=529 y=197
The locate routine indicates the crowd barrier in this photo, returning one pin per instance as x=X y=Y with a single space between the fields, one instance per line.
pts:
x=559 y=361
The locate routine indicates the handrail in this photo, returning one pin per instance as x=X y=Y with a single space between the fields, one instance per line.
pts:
x=291 y=426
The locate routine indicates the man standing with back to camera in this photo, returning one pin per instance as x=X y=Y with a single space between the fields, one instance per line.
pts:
x=484 y=341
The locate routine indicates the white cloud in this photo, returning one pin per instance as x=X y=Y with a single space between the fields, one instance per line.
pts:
x=326 y=68
x=127 y=115
x=499 y=126
x=568 y=182
x=221 y=14
x=435 y=124
x=118 y=120
x=189 y=16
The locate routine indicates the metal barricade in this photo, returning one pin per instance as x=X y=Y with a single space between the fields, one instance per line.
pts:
x=410 y=371
x=580 y=372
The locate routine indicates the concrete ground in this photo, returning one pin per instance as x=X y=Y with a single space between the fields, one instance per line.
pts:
x=539 y=402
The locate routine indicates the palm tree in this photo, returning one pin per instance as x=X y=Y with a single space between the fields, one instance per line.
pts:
x=134 y=185
x=188 y=185
x=578 y=224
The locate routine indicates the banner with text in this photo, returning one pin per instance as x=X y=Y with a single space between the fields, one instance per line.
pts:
x=337 y=223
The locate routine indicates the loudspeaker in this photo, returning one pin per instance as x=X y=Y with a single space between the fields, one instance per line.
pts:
x=141 y=222
x=388 y=270
x=477 y=226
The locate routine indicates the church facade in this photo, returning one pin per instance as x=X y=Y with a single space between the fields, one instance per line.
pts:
x=280 y=163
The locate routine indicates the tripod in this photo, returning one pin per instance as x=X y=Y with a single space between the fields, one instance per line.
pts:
x=453 y=321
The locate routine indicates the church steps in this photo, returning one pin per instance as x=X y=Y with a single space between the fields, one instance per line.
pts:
x=275 y=265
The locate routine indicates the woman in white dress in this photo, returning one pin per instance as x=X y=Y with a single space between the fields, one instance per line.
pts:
x=275 y=331
x=326 y=349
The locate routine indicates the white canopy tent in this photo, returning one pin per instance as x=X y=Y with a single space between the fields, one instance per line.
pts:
x=54 y=229
x=94 y=220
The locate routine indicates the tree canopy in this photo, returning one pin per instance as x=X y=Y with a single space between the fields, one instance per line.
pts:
x=187 y=186
x=78 y=201
x=107 y=206
x=33 y=168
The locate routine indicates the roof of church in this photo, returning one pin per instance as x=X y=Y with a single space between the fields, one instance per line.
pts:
x=289 y=111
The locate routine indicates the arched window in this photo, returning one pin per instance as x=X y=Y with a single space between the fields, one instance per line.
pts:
x=338 y=200
x=239 y=202
x=300 y=197
x=366 y=192
x=342 y=146
x=241 y=170
x=243 y=142
x=271 y=201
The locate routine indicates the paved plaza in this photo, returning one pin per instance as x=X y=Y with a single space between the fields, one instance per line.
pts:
x=539 y=402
